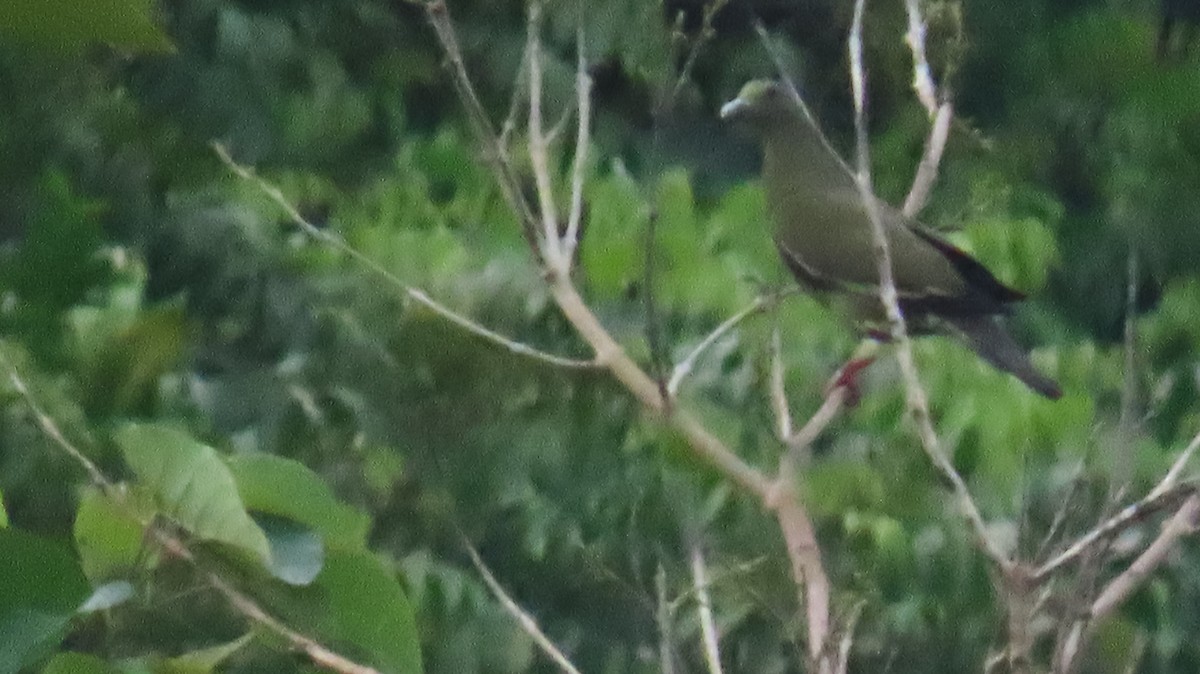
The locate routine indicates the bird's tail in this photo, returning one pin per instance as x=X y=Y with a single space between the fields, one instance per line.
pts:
x=988 y=337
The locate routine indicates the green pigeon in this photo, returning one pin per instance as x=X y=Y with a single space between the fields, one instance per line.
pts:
x=824 y=235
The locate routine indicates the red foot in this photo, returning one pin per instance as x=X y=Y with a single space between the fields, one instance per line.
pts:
x=847 y=378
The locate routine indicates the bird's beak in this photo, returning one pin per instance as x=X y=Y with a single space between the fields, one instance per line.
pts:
x=733 y=108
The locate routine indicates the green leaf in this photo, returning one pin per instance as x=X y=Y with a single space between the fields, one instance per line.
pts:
x=204 y=660
x=77 y=663
x=69 y=27
x=297 y=554
x=838 y=485
x=3 y=512
x=367 y=607
x=40 y=588
x=286 y=488
x=125 y=372
x=193 y=485
x=109 y=541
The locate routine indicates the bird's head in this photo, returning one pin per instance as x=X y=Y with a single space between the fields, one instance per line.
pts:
x=759 y=105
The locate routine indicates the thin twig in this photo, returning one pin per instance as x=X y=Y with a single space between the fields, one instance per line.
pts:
x=665 y=618
x=560 y=125
x=684 y=367
x=802 y=439
x=527 y=622
x=175 y=547
x=514 y=104
x=538 y=156
x=1172 y=477
x=1183 y=522
x=706 y=33
x=654 y=330
x=843 y=663
x=1060 y=513
x=1152 y=503
x=708 y=626
x=835 y=399
x=416 y=294
x=917 y=400
x=941 y=113
x=495 y=153
x=931 y=159
x=804 y=552
x=583 y=87
x=51 y=429
x=779 y=400
x=1126 y=422
x=1166 y=492
x=793 y=91
x=610 y=355
x=923 y=84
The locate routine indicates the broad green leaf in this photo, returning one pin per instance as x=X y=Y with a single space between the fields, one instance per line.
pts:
x=286 y=488
x=125 y=372
x=367 y=607
x=613 y=253
x=202 y=661
x=109 y=541
x=193 y=485
x=3 y=512
x=40 y=588
x=296 y=551
x=77 y=663
x=67 y=28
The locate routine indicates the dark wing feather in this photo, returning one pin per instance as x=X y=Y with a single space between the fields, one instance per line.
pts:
x=975 y=274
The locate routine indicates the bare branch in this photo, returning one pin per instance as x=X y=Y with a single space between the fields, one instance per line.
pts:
x=708 y=626
x=583 y=87
x=654 y=330
x=804 y=554
x=931 y=159
x=538 y=157
x=706 y=33
x=514 y=103
x=802 y=439
x=923 y=84
x=527 y=622
x=793 y=91
x=495 y=153
x=51 y=429
x=843 y=662
x=1182 y=523
x=1172 y=477
x=664 y=616
x=609 y=354
x=1124 y=448
x=684 y=367
x=917 y=401
x=779 y=401
x=416 y=294
x=1167 y=492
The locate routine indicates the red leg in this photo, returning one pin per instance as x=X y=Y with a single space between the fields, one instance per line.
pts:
x=847 y=378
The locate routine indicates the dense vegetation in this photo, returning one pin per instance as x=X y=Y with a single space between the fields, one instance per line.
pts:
x=211 y=407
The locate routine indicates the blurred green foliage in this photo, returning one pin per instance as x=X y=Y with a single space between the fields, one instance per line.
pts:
x=329 y=445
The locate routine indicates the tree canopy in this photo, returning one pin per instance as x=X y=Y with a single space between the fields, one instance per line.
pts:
x=362 y=335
